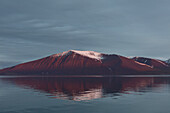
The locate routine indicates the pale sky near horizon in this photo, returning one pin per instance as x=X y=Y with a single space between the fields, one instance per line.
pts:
x=32 y=29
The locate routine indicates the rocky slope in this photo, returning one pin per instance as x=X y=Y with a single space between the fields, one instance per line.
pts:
x=75 y=62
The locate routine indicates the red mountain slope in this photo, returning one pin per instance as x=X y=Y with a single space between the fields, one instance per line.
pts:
x=74 y=62
x=151 y=62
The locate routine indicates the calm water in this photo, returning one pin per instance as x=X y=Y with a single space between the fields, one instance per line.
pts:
x=85 y=94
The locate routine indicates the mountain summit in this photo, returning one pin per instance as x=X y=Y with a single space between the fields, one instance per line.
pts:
x=74 y=62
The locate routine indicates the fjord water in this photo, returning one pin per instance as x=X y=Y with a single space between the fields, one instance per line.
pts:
x=79 y=94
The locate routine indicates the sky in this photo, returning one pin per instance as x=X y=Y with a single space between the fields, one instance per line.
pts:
x=32 y=29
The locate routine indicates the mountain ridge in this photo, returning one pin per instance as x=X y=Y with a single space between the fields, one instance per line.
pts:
x=74 y=62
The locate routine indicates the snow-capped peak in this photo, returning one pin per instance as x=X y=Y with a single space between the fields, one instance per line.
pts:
x=90 y=54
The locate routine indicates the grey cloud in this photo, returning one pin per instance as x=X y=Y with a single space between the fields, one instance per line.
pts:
x=30 y=29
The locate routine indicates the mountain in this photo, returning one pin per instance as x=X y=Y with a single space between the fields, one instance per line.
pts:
x=158 y=64
x=75 y=62
x=168 y=61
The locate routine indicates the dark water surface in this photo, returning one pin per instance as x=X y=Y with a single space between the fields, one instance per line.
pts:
x=93 y=94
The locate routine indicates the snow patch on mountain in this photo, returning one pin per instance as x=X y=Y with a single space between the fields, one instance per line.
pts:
x=168 y=61
x=89 y=54
x=62 y=54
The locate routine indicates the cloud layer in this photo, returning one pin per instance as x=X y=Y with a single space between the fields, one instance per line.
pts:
x=31 y=29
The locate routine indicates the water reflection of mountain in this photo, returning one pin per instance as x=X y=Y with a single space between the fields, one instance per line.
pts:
x=79 y=88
